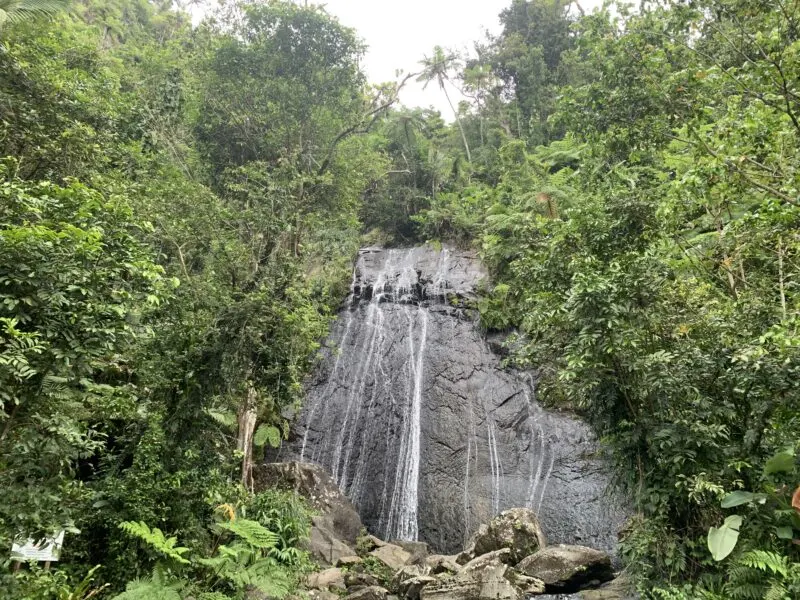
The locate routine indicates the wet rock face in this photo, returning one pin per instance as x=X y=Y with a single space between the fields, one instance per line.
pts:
x=414 y=417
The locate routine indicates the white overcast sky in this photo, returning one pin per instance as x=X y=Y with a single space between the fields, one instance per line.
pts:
x=399 y=33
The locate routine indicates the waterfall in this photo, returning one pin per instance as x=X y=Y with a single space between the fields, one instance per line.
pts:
x=421 y=425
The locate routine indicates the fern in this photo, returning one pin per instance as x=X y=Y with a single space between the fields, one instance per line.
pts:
x=143 y=589
x=213 y=596
x=777 y=591
x=760 y=574
x=262 y=575
x=17 y=10
x=767 y=562
x=156 y=539
x=224 y=418
x=252 y=532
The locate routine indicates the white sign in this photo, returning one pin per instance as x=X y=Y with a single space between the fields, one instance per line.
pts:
x=47 y=550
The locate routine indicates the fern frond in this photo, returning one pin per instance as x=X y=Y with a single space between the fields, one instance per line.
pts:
x=767 y=562
x=213 y=596
x=156 y=539
x=224 y=418
x=18 y=10
x=251 y=532
x=142 y=589
x=777 y=591
x=264 y=576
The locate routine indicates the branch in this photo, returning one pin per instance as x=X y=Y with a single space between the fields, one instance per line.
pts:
x=360 y=127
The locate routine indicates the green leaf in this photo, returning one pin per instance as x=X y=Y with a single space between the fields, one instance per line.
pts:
x=782 y=462
x=267 y=433
x=740 y=497
x=785 y=532
x=251 y=532
x=156 y=539
x=722 y=540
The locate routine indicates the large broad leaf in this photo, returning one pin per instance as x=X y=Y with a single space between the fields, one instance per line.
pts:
x=782 y=462
x=740 y=497
x=722 y=540
x=267 y=433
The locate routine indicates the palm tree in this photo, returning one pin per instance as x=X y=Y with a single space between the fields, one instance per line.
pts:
x=436 y=68
x=18 y=10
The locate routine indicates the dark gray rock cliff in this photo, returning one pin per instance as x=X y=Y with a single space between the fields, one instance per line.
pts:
x=429 y=436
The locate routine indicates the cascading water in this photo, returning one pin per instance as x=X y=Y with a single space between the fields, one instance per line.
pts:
x=421 y=426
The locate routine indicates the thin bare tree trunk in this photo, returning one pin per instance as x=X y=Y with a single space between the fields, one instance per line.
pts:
x=780 y=277
x=244 y=443
x=458 y=121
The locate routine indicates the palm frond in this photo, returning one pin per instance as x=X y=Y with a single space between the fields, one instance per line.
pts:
x=15 y=11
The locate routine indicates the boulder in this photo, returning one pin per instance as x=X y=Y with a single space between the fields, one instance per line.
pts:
x=529 y=586
x=485 y=581
x=392 y=556
x=410 y=588
x=322 y=595
x=480 y=562
x=568 y=569
x=370 y=542
x=327 y=579
x=406 y=573
x=439 y=563
x=418 y=550
x=349 y=561
x=314 y=484
x=516 y=529
x=618 y=589
x=360 y=580
x=324 y=544
x=373 y=592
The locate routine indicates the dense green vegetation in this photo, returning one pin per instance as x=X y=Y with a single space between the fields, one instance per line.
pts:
x=638 y=204
x=179 y=211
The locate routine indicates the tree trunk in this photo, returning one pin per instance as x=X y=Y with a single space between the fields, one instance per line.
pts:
x=458 y=121
x=244 y=443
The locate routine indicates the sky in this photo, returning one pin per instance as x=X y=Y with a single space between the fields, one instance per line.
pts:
x=400 y=33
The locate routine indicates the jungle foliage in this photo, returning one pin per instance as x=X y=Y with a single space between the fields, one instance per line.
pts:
x=640 y=212
x=173 y=245
x=179 y=211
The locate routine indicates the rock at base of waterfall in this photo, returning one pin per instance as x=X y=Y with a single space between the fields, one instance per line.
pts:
x=373 y=592
x=392 y=556
x=354 y=579
x=327 y=579
x=410 y=589
x=529 y=586
x=324 y=544
x=620 y=588
x=517 y=529
x=369 y=542
x=349 y=561
x=322 y=595
x=503 y=555
x=418 y=550
x=439 y=563
x=406 y=573
x=314 y=484
x=486 y=581
x=565 y=568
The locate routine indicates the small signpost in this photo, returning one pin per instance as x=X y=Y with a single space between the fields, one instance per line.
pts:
x=47 y=550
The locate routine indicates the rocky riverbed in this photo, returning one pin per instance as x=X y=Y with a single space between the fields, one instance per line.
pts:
x=508 y=558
